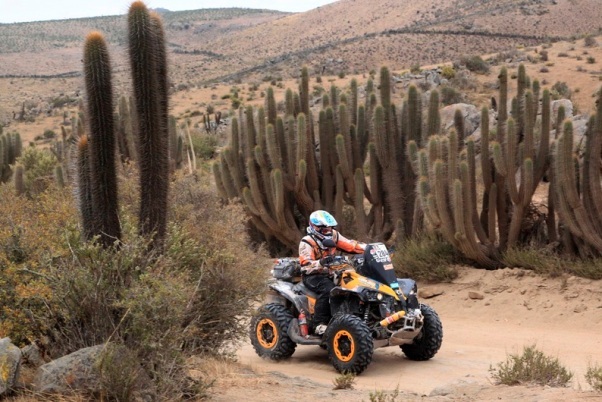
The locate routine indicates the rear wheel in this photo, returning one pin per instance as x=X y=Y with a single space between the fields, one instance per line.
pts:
x=427 y=343
x=349 y=344
x=268 y=332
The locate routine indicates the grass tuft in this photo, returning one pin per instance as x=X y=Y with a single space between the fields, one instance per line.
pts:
x=593 y=376
x=426 y=258
x=533 y=366
x=344 y=381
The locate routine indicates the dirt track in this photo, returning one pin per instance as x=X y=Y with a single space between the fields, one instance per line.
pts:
x=562 y=317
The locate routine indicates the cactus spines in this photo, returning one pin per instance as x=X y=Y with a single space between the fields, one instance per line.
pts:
x=86 y=205
x=149 y=77
x=434 y=117
x=58 y=176
x=97 y=72
x=270 y=102
x=304 y=91
x=19 y=180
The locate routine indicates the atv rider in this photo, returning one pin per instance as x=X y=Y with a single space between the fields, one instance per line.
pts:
x=314 y=257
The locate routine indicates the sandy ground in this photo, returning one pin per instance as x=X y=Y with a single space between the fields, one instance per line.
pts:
x=561 y=316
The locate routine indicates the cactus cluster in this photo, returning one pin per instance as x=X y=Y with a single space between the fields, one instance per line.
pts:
x=11 y=147
x=577 y=190
x=284 y=167
x=513 y=163
x=97 y=181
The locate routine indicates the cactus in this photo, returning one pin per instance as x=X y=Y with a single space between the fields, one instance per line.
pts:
x=58 y=176
x=334 y=177
x=149 y=76
x=19 y=180
x=103 y=179
x=450 y=205
x=86 y=205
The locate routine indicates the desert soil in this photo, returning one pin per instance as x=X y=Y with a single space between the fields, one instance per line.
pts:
x=560 y=316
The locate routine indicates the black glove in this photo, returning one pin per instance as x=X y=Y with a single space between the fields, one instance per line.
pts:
x=325 y=261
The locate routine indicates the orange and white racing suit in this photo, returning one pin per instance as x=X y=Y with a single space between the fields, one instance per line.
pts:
x=310 y=253
x=315 y=277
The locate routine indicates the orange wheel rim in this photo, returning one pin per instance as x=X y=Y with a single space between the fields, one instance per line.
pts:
x=267 y=333
x=344 y=346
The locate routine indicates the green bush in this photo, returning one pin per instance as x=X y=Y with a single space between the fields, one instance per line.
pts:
x=39 y=169
x=49 y=134
x=533 y=366
x=590 y=41
x=204 y=145
x=475 y=64
x=448 y=72
x=593 y=376
x=560 y=90
x=537 y=259
x=450 y=96
x=425 y=258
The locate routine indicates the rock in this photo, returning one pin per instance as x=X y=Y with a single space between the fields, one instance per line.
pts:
x=81 y=372
x=475 y=295
x=568 y=109
x=10 y=361
x=32 y=355
x=74 y=372
x=429 y=293
x=472 y=118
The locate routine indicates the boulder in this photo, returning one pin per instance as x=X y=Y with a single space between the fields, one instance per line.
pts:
x=472 y=118
x=84 y=372
x=10 y=361
x=568 y=109
x=74 y=372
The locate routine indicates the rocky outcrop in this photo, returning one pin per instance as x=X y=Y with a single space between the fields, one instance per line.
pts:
x=10 y=361
x=93 y=371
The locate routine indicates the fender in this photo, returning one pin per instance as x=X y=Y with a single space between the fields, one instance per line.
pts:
x=285 y=289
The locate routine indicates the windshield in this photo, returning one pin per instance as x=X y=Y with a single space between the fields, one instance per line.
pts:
x=377 y=264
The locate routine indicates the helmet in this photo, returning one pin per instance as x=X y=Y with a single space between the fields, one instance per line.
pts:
x=321 y=224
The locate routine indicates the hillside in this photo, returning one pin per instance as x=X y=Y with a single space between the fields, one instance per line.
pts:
x=212 y=50
x=348 y=35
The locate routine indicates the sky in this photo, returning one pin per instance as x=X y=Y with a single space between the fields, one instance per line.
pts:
x=42 y=10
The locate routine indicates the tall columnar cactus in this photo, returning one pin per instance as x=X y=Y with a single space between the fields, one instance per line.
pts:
x=86 y=205
x=19 y=180
x=447 y=192
x=325 y=169
x=447 y=182
x=149 y=76
x=99 y=91
x=304 y=91
x=579 y=199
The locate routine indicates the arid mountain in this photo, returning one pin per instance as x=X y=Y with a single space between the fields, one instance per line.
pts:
x=345 y=36
x=41 y=61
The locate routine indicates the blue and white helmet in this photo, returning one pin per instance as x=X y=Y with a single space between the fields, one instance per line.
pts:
x=321 y=224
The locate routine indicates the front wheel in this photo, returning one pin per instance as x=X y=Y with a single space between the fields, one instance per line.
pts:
x=427 y=343
x=349 y=344
x=269 y=332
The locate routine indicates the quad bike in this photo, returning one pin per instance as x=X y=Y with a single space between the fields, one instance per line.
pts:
x=370 y=306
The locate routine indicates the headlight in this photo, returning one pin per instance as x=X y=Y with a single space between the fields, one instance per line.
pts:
x=379 y=296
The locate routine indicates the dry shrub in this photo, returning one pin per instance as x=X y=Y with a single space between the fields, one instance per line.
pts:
x=593 y=376
x=533 y=366
x=540 y=260
x=344 y=381
x=192 y=298
x=425 y=258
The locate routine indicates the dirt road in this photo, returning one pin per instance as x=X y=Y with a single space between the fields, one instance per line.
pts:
x=562 y=317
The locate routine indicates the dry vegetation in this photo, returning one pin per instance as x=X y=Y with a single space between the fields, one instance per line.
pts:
x=215 y=55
